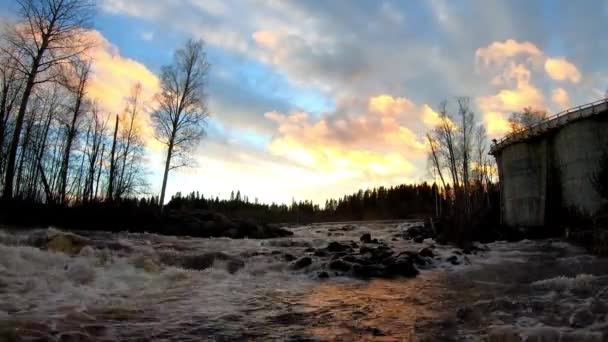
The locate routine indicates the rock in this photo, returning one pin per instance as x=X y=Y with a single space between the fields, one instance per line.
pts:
x=87 y=252
x=503 y=333
x=340 y=265
x=320 y=253
x=335 y=246
x=581 y=318
x=203 y=261
x=288 y=257
x=402 y=266
x=302 y=263
x=467 y=313
x=368 y=271
x=353 y=244
x=419 y=239
x=453 y=260
x=598 y=306
x=323 y=275
x=366 y=238
x=426 y=253
x=67 y=243
x=309 y=250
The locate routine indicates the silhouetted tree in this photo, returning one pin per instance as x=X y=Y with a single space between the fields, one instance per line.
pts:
x=50 y=33
x=182 y=112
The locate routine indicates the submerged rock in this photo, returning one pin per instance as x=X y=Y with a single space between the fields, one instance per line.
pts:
x=340 y=265
x=302 y=263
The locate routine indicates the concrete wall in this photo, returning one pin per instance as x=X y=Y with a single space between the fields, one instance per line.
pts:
x=554 y=167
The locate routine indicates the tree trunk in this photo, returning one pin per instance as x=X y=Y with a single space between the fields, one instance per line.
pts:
x=167 y=166
x=112 y=164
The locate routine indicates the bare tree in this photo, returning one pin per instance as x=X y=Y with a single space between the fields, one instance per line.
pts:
x=75 y=80
x=182 y=113
x=526 y=118
x=50 y=33
x=467 y=123
x=130 y=178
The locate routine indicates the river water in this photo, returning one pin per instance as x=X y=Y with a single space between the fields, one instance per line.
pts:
x=124 y=287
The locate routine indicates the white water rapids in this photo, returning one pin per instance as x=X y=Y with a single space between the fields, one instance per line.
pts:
x=128 y=287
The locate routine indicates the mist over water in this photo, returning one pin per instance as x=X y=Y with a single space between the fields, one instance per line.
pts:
x=140 y=287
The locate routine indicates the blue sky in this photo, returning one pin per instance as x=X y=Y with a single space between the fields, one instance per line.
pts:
x=314 y=99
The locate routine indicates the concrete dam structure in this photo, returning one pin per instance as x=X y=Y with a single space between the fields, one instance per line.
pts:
x=547 y=169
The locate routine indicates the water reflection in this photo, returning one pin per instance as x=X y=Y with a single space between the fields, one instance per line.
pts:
x=378 y=310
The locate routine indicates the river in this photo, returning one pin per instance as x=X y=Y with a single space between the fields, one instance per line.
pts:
x=129 y=287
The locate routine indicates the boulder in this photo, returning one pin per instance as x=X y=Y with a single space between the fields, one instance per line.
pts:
x=67 y=243
x=426 y=253
x=581 y=318
x=323 y=275
x=203 y=261
x=288 y=257
x=368 y=271
x=340 y=265
x=366 y=238
x=335 y=246
x=401 y=266
x=302 y=263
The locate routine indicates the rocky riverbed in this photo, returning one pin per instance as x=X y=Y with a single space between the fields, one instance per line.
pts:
x=358 y=281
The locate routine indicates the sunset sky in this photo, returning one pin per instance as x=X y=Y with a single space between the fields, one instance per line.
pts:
x=315 y=99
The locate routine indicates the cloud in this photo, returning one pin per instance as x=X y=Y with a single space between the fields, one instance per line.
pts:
x=560 y=69
x=498 y=53
x=375 y=145
x=113 y=76
x=561 y=98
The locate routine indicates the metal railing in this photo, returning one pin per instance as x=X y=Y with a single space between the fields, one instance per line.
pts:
x=515 y=136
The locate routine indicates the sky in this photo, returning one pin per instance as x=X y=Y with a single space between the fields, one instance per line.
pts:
x=314 y=99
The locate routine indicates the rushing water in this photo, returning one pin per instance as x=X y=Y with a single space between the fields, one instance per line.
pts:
x=123 y=287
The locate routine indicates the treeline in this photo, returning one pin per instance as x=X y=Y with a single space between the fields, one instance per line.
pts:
x=398 y=202
x=57 y=145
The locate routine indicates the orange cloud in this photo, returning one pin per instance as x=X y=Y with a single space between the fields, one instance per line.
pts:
x=560 y=69
x=561 y=98
x=374 y=145
x=267 y=39
x=500 y=52
x=112 y=79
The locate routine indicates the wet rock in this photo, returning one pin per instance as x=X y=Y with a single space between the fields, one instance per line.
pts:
x=453 y=260
x=419 y=239
x=288 y=257
x=302 y=263
x=67 y=243
x=402 y=266
x=581 y=318
x=598 y=306
x=467 y=313
x=503 y=333
x=366 y=238
x=353 y=244
x=323 y=275
x=340 y=265
x=348 y=228
x=203 y=261
x=335 y=246
x=309 y=250
x=368 y=271
x=426 y=253
x=320 y=253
